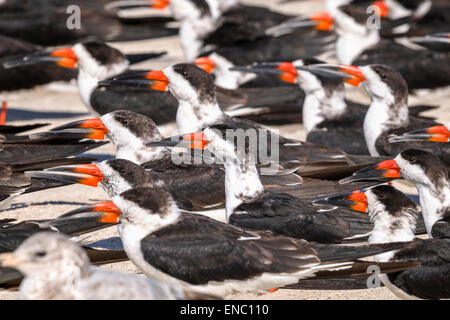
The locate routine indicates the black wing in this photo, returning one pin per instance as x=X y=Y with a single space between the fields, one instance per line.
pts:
x=431 y=280
x=197 y=250
x=161 y=107
x=385 y=148
x=289 y=216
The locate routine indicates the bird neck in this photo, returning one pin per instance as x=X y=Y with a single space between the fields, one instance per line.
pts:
x=226 y=78
x=141 y=154
x=353 y=38
x=435 y=202
x=384 y=114
x=321 y=105
x=193 y=31
x=194 y=115
x=391 y=228
x=90 y=73
x=242 y=184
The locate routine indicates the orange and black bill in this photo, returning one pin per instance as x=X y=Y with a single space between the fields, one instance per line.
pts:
x=383 y=8
x=205 y=63
x=87 y=174
x=355 y=200
x=86 y=218
x=155 y=80
x=383 y=172
x=195 y=140
x=89 y=128
x=64 y=57
x=133 y=4
x=321 y=21
x=347 y=73
x=285 y=71
x=435 y=134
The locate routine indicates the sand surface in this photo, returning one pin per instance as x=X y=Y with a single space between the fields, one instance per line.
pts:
x=58 y=104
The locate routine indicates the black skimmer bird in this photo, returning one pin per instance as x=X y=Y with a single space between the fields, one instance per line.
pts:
x=235 y=29
x=14 y=181
x=394 y=216
x=238 y=260
x=22 y=67
x=26 y=21
x=248 y=205
x=388 y=114
x=97 y=61
x=361 y=45
x=426 y=16
x=56 y=267
x=328 y=117
x=29 y=76
x=195 y=187
x=198 y=107
x=430 y=177
x=268 y=100
x=435 y=134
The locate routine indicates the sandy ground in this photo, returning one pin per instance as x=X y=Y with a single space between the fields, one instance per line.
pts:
x=63 y=101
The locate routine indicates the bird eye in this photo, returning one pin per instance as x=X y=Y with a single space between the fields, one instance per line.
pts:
x=383 y=76
x=40 y=254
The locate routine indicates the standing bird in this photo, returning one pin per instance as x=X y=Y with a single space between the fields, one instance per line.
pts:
x=57 y=268
x=394 y=216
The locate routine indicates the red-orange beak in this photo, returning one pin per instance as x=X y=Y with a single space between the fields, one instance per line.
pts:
x=383 y=171
x=155 y=80
x=195 y=140
x=355 y=200
x=288 y=72
x=68 y=58
x=382 y=7
x=93 y=128
x=110 y=212
x=123 y=5
x=87 y=174
x=356 y=75
x=160 y=80
x=86 y=218
x=159 y=4
x=285 y=71
x=324 y=21
x=64 y=57
x=205 y=63
x=436 y=134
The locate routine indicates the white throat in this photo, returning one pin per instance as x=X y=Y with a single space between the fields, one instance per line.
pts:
x=226 y=78
x=380 y=119
x=192 y=118
x=433 y=203
x=318 y=107
x=91 y=72
x=385 y=232
x=353 y=38
x=241 y=184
